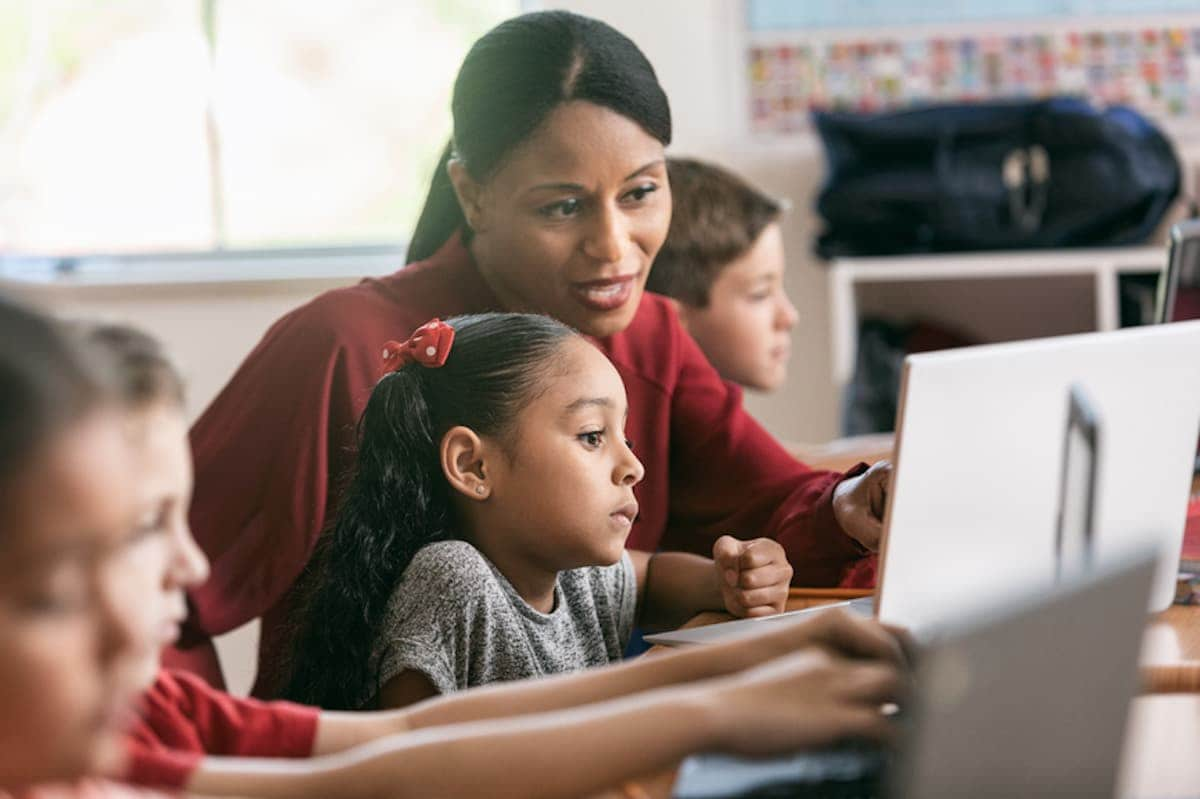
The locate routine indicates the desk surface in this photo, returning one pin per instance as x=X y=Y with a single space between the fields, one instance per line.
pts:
x=1162 y=748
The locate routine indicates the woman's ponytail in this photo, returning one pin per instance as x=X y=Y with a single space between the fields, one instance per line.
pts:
x=441 y=216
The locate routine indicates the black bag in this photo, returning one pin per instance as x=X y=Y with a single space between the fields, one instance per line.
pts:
x=984 y=176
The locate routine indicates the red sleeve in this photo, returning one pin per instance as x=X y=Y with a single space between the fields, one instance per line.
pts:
x=183 y=719
x=729 y=475
x=265 y=450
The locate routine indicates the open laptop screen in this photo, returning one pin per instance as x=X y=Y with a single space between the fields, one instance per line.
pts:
x=1179 y=291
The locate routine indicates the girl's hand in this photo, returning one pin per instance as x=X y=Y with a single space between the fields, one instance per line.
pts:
x=808 y=699
x=754 y=575
x=859 y=502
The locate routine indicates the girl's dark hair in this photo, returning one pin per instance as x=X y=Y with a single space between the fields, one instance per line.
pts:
x=47 y=382
x=144 y=374
x=511 y=80
x=398 y=499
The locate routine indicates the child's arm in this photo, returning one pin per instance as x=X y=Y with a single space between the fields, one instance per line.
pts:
x=745 y=578
x=835 y=632
x=807 y=699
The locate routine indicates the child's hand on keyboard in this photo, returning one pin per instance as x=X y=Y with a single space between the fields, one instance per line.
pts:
x=808 y=699
x=834 y=631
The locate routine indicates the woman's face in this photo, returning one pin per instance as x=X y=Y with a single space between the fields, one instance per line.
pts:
x=67 y=679
x=571 y=222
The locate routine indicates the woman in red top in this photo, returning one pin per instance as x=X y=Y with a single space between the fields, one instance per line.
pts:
x=553 y=197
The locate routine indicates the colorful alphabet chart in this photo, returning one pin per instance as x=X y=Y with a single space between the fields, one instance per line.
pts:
x=1155 y=68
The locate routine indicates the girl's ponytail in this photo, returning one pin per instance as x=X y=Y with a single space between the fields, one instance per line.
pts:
x=441 y=216
x=396 y=503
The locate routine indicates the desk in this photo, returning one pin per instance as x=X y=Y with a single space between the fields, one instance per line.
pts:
x=1162 y=747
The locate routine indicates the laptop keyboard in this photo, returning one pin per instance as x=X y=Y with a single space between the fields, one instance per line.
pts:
x=846 y=773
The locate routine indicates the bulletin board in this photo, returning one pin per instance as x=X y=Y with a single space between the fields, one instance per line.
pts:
x=866 y=55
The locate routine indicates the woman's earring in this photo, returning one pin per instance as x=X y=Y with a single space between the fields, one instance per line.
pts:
x=480 y=489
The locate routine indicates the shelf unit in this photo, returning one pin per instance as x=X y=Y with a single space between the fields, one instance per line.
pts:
x=992 y=296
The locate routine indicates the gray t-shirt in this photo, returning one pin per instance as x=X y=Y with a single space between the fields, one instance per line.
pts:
x=455 y=618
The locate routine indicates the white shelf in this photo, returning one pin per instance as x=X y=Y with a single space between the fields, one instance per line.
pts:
x=1101 y=266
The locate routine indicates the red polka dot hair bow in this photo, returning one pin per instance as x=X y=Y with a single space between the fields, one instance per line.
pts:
x=429 y=345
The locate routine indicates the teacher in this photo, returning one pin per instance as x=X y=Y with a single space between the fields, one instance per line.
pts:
x=552 y=198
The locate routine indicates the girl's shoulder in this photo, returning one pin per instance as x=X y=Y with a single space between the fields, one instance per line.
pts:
x=446 y=565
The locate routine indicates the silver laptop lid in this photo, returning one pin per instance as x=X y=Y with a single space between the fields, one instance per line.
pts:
x=1031 y=700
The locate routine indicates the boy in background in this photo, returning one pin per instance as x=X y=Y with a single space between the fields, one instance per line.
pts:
x=723 y=264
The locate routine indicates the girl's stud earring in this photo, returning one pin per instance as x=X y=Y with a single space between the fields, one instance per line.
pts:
x=479 y=489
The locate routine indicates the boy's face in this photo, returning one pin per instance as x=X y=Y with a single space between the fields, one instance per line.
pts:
x=69 y=647
x=746 y=328
x=165 y=561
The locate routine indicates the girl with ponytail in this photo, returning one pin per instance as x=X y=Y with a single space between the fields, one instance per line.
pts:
x=482 y=537
x=552 y=198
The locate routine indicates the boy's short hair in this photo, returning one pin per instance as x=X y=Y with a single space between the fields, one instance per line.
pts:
x=717 y=218
x=144 y=374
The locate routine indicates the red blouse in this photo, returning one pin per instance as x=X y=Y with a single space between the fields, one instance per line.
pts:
x=275 y=443
x=182 y=719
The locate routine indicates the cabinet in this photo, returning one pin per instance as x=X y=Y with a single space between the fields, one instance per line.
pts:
x=987 y=296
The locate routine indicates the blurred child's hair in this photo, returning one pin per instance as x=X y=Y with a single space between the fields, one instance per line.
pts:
x=47 y=382
x=398 y=499
x=144 y=374
x=716 y=218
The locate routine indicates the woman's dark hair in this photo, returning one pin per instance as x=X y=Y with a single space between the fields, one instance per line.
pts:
x=511 y=80
x=144 y=374
x=398 y=499
x=47 y=382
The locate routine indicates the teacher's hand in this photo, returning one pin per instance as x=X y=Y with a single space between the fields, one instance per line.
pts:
x=858 y=504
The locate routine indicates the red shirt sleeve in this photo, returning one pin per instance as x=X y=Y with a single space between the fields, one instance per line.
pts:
x=729 y=475
x=269 y=452
x=183 y=719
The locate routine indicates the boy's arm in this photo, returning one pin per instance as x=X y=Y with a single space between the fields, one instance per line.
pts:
x=565 y=754
x=835 y=632
x=811 y=698
x=337 y=732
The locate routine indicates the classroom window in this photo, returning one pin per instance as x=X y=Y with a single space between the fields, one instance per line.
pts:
x=161 y=125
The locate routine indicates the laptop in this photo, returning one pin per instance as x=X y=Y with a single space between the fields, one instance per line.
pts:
x=1179 y=286
x=975 y=496
x=1074 y=526
x=1027 y=697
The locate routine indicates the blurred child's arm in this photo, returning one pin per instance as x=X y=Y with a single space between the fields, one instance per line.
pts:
x=810 y=698
x=745 y=578
x=565 y=754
